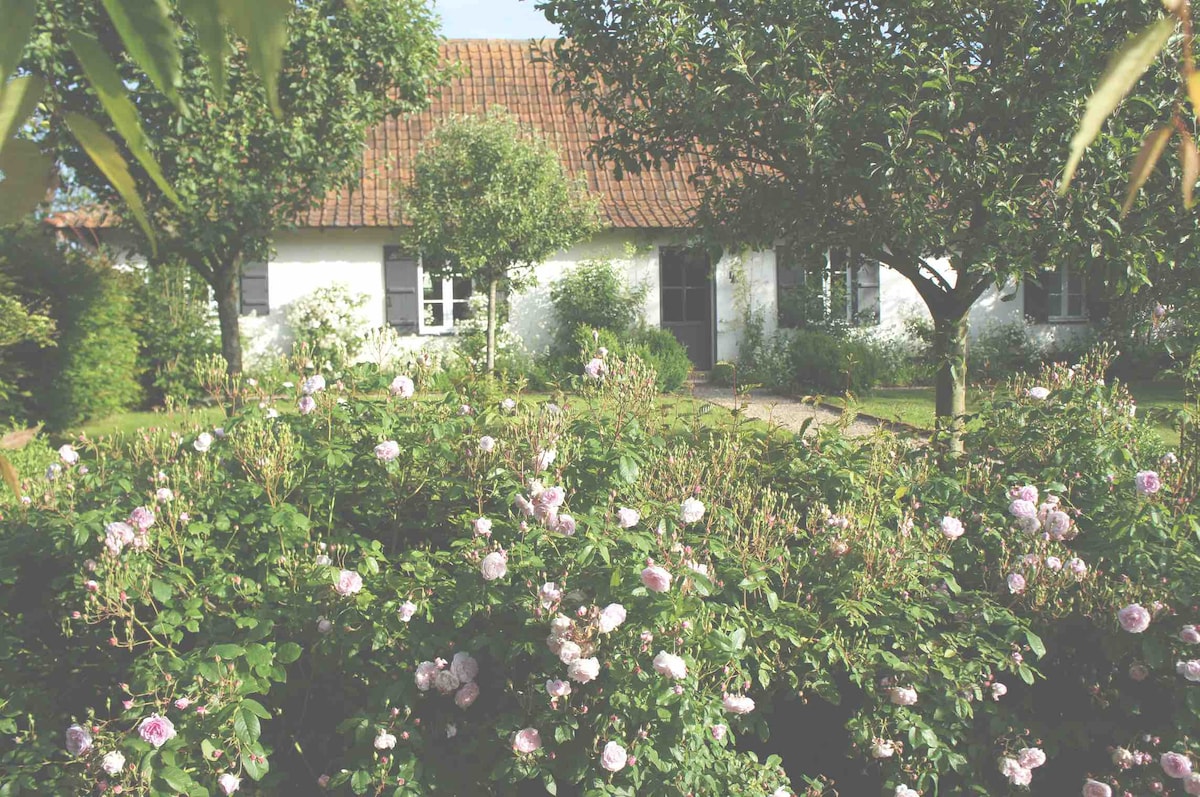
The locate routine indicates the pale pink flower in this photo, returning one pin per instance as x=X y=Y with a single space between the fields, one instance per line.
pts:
x=164 y=494
x=467 y=694
x=1053 y=563
x=1175 y=765
x=228 y=783
x=1134 y=618
x=387 y=451
x=323 y=781
x=402 y=386
x=999 y=690
x=68 y=454
x=482 y=526
x=737 y=704
x=487 y=444
x=524 y=505
x=117 y=535
x=549 y=594
x=527 y=741
x=113 y=762
x=670 y=665
x=141 y=518
x=544 y=459
x=1147 y=482
x=348 y=583
x=314 y=384
x=656 y=579
x=426 y=670
x=614 y=757
x=905 y=791
x=691 y=510
x=464 y=666
x=508 y=404
x=952 y=528
x=557 y=688
x=882 y=748
x=182 y=703
x=565 y=525
x=583 y=671
x=494 y=566
x=610 y=617
x=1094 y=788
x=718 y=732
x=568 y=652
x=627 y=518
x=1189 y=634
x=156 y=730
x=203 y=442
x=1191 y=783
x=79 y=740
x=406 y=611
x=1077 y=567
x=385 y=741
x=1016 y=583
x=595 y=368
x=1123 y=758
x=902 y=695
x=1040 y=393
x=1031 y=757
x=1020 y=508
x=306 y=405
x=445 y=681
x=1058 y=524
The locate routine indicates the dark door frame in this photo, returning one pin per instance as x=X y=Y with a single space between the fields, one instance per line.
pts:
x=712 y=300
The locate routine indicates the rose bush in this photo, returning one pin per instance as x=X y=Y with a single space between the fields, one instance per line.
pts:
x=366 y=597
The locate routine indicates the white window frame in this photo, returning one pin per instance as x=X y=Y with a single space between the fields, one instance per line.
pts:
x=1059 y=315
x=447 y=301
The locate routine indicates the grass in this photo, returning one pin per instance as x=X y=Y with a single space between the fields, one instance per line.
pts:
x=915 y=405
x=126 y=423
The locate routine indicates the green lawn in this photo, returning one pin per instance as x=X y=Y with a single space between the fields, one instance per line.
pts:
x=915 y=405
x=126 y=423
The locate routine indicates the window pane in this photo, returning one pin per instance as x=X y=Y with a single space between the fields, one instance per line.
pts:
x=431 y=288
x=462 y=310
x=1075 y=305
x=435 y=314
x=462 y=288
x=672 y=269
x=1055 y=298
x=697 y=308
x=672 y=305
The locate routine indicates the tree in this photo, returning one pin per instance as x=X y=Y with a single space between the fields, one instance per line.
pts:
x=906 y=131
x=488 y=202
x=242 y=173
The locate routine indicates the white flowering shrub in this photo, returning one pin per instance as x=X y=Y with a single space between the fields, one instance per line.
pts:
x=387 y=591
x=328 y=325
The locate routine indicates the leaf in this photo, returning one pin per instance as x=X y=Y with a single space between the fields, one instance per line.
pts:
x=1035 y=644
x=205 y=16
x=18 y=99
x=10 y=476
x=18 y=16
x=26 y=177
x=110 y=89
x=1189 y=159
x=104 y=153
x=1123 y=72
x=256 y=767
x=287 y=653
x=149 y=35
x=176 y=778
x=161 y=590
x=263 y=25
x=246 y=726
x=1143 y=165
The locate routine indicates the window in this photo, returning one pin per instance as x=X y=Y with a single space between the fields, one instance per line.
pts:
x=255 y=298
x=417 y=302
x=1055 y=297
x=837 y=285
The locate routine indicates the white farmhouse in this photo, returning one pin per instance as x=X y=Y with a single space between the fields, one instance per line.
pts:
x=353 y=238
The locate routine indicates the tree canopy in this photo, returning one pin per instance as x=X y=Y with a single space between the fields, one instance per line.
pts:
x=489 y=200
x=908 y=131
x=241 y=172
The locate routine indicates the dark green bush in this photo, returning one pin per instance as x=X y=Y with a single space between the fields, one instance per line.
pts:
x=592 y=295
x=177 y=328
x=723 y=374
x=659 y=349
x=93 y=371
x=1001 y=351
x=828 y=363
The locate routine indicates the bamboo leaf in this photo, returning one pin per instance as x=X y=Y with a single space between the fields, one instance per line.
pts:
x=1143 y=165
x=149 y=34
x=263 y=25
x=108 y=158
x=17 y=101
x=18 y=16
x=26 y=178
x=1122 y=74
x=1189 y=159
x=205 y=16
x=105 y=79
x=10 y=476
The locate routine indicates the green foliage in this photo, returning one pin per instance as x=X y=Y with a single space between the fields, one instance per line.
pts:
x=328 y=326
x=659 y=349
x=593 y=295
x=723 y=374
x=177 y=330
x=817 y=361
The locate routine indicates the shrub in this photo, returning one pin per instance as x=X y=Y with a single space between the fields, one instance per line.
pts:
x=381 y=588
x=1001 y=351
x=665 y=355
x=592 y=295
x=723 y=374
x=327 y=325
x=177 y=329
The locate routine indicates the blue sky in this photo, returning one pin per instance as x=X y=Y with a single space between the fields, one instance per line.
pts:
x=492 y=19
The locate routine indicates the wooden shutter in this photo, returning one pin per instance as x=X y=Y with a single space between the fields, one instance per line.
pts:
x=256 y=299
x=402 y=290
x=789 y=278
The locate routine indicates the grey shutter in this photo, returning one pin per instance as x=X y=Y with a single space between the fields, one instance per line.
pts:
x=788 y=278
x=1037 y=298
x=402 y=290
x=256 y=297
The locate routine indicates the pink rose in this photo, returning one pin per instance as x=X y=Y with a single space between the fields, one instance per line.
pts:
x=1094 y=788
x=1026 y=493
x=1020 y=508
x=556 y=688
x=464 y=666
x=426 y=670
x=595 y=368
x=718 y=732
x=610 y=618
x=445 y=681
x=882 y=748
x=1175 y=765
x=902 y=695
x=583 y=671
x=487 y=444
x=466 y=695
x=117 y=535
x=306 y=405
x=1191 y=783
x=737 y=704
x=549 y=594
x=952 y=528
x=544 y=459
x=1189 y=634
x=182 y=703
x=1039 y=393
x=1147 y=482
x=402 y=386
x=1053 y=563
x=494 y=566
x=524 y=505
x=1016 y=583
x=670 y=665
x=1031 y=757
x=565 y=525
x=656 y=579
x=526 y=741
x=627 y=518
x=1077 y=567
x=1058 y=524
x=164 y=494
x=691 y=510
x=314 y=384
x=156 y=730
x=482 y=527
x=1134 y=618
x=387 y=451
x=141 y=518
x=68 y=454
x=228 y=783
x=999 y=690
x=614 y=757
x=406 y=611
x=79 y=740
x=568 y=651
x=348 y=583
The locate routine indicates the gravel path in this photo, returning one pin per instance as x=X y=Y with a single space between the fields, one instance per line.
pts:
x=784 y=411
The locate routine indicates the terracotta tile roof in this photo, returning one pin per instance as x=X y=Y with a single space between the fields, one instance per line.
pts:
x=505 y=73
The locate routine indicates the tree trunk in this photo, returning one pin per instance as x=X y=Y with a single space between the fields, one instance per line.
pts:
x=950 y=353
x=225 y=290
x=491 y=326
